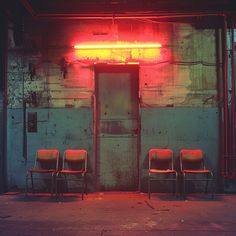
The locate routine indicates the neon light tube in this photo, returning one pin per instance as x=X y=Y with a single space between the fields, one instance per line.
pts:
x=116 y=46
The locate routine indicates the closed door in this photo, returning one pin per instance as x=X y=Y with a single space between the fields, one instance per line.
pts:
x=117 y=127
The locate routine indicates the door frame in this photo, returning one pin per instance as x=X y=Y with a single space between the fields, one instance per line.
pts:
x=103 y=67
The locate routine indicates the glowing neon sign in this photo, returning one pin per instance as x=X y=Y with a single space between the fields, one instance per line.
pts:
x=117 y=46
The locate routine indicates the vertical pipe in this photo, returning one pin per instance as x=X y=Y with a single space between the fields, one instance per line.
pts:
x=3 y=87
x=232 y=101
x=138 y=133
x=24 y=124
x=225 y=95
x=24 y=133
x=95 y=140
x=220 y=74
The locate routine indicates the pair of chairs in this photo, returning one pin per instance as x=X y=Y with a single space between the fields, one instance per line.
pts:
x=192 y=168
x=46 y=167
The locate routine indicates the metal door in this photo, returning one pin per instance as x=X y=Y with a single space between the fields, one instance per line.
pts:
x=117 y=122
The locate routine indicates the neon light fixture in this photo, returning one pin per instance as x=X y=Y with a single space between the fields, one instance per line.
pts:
x=117 y=46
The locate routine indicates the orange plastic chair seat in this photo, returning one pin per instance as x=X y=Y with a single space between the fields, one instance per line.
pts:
x=42 y=171
x=47 y=155
x=160 y=154
x=75 y=155
x=72 y=171
x=192 y=155
x=161 y=171
x=197 y=171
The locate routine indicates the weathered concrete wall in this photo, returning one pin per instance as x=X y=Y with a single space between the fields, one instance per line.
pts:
x=2 y=161
x=3 y=50
x=56 y=128
x=182 y=73
x=180 y=128
x=188 y=78
x=58 y=83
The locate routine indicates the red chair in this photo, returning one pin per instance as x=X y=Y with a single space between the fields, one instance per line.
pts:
x=45 y=167
x=74 y=168
x=161 y=164
x=192 y=166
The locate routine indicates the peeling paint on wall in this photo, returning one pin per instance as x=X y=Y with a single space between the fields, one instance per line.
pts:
x=183 y=75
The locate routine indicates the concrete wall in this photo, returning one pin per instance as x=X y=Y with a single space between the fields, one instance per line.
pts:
x=178 y=87
x=2 y=161
x=180 y=128
x=3 y=49
x=56 y=128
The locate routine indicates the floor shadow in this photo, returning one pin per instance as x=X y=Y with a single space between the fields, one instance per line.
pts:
x=203 y=197
x=189 y=197
x=47 y=198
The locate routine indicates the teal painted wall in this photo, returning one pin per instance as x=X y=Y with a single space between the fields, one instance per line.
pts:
x=174 y=128
x=180 y=128
x=57 y=128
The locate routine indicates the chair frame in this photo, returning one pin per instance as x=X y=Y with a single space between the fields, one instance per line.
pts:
x=49 y=156
x=209 y=176
x=64 y=172
x=171 y=171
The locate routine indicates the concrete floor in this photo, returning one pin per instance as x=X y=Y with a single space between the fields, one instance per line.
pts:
x=117 y=213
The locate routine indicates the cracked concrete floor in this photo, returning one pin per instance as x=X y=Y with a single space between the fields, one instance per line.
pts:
x=117 y=213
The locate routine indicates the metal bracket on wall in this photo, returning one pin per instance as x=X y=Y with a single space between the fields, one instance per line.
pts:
x=32 y=122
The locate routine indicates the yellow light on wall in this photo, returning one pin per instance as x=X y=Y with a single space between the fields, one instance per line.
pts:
x=117 y=51
x=117 y=46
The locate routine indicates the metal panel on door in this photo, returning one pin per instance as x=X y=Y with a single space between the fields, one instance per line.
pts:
x=117 y=127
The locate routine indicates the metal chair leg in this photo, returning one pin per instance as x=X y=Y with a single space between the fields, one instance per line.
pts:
x=26 y=184
x=52 y=183
x=206 y=187
x=213 y=186
x=56 y=187
x=149 y=188
x=85 y=180
x=183 y=176
x=173 y=184
x=176 y=184
x=83 y=186
x=32 y=181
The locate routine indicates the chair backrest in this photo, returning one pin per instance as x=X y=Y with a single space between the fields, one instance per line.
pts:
x=191 y=159
x=161 y=159
x=75 y=159
x=47 y=159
